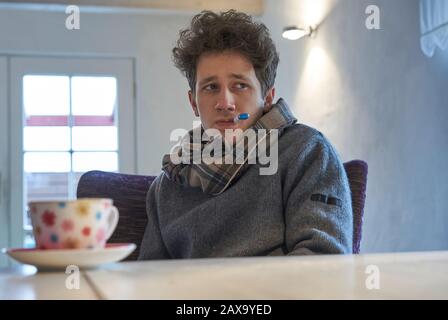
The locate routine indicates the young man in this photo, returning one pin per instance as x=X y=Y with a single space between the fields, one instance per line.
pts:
x=197 y=209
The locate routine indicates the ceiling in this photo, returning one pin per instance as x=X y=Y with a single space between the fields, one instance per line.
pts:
x=253 y=7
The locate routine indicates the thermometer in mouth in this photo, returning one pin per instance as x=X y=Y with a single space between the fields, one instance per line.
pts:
x=241 y=116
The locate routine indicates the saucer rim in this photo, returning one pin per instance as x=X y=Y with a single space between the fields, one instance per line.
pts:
x=108 y=247
x=59 y=259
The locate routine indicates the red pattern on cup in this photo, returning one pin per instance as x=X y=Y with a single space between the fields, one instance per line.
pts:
x=67 y=225
x=86 y=231
x=49 y=218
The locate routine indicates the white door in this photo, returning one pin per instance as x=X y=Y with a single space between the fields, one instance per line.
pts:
x=67 y=116
x=4 y=212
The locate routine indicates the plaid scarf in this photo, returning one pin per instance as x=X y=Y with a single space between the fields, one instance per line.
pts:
x=213 y=177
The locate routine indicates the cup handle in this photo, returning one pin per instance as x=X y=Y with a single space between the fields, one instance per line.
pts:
x=113 y=221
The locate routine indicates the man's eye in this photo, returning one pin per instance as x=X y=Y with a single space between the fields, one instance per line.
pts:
x=210 y=87
x=241 y=85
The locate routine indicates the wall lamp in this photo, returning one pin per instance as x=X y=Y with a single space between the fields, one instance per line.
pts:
x=295 y=33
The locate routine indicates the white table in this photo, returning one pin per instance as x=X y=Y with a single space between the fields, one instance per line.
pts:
x=24 y=283
x=421 y=275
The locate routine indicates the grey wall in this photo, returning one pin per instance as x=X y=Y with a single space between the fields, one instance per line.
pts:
x=377 y=98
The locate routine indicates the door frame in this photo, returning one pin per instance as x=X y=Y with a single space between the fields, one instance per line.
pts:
x=121 y=68
x=4 y=160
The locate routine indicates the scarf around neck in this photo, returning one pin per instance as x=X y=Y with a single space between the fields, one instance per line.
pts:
x=214 y=177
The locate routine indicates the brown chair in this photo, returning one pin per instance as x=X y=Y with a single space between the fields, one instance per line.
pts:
x=129 y=195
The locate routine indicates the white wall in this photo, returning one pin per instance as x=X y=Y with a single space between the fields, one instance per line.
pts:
x=377 y=98
x=162 y=102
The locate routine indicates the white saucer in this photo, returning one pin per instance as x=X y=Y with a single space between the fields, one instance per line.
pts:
x=82 y=258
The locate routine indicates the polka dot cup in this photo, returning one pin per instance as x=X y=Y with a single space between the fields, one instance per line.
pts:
x=73 y=224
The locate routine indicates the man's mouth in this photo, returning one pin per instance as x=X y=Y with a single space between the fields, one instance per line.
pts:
x=225 y=124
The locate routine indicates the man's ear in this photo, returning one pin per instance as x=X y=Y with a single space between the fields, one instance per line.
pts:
x=269 y=99
x=193 y=103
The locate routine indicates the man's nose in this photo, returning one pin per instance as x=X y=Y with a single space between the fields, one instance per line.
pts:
x=225 y=101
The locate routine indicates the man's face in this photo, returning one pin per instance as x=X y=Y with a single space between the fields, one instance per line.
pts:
x=226 y=85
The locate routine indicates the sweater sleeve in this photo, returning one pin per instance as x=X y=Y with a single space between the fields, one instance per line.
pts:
x=152 y=246
x=318 y=211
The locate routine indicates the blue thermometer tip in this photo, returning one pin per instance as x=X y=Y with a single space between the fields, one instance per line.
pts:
x=242 y=116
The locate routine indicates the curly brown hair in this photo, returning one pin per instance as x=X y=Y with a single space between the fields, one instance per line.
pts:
x=230 y=30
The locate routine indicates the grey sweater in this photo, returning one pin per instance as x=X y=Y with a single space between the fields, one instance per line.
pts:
x=304 y=208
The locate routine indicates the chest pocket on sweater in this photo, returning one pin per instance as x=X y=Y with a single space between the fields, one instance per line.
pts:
x=326 y=199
